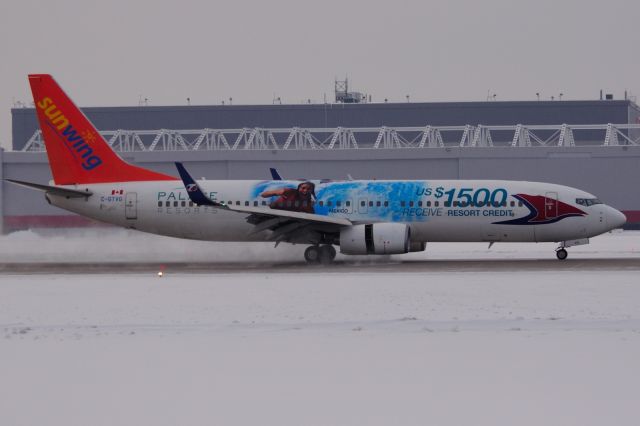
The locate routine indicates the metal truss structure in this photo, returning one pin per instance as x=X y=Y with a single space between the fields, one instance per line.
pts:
x=296 y=138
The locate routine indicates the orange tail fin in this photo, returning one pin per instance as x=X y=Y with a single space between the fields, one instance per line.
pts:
x=77 y=152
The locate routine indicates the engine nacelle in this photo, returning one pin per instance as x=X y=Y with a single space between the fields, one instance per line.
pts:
x=377 y=238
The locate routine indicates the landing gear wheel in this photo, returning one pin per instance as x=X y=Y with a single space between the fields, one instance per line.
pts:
x=327 y=254
x=312 y=254
x=561 y=254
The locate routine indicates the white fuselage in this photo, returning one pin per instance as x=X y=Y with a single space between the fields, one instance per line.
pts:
x=442 y=210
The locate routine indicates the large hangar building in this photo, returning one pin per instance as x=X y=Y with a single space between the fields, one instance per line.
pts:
x=592 y=145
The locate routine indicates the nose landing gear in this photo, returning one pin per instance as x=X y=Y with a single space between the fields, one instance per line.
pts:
x=561 y=254
x=320 y=254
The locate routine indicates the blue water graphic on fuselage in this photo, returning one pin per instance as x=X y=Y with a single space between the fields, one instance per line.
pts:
x=329 y=194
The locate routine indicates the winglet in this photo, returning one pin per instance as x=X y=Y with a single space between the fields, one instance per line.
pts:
x=274 y=174
x=193 y=190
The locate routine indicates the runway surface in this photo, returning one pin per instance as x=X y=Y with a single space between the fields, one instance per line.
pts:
x=413 y=266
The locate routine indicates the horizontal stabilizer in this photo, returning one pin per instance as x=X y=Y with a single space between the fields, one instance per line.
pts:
x=54 y=190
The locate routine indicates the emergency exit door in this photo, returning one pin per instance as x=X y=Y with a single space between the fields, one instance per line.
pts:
x=131 y=205
x=551 y=205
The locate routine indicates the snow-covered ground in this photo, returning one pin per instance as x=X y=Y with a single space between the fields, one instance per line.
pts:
x=119 y=245
x=317 y=347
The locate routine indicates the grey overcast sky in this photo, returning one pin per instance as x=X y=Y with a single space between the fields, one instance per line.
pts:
x=111 y=52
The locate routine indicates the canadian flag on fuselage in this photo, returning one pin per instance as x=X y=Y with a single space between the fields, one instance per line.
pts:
x=77 y=153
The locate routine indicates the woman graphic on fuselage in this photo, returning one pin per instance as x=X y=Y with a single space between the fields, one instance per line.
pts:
x=299 y=199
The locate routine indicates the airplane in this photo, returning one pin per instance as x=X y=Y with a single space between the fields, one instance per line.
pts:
x=361 y=217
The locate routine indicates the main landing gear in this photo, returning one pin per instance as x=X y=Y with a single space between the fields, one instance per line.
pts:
x=320 y=254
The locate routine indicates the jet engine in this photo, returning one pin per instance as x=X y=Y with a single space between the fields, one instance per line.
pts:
x=377 y=238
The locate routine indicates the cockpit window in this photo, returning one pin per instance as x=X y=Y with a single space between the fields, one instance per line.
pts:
x=587 y=201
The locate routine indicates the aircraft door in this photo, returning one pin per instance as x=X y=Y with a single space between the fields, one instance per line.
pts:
x=551 y=205
x=131 y=205
x=362 y=206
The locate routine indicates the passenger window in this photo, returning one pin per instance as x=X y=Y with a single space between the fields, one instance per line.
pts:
x=288 y=203
x=410 y=203
x=370 y=203
x=378 y=203
x=428 y=203
x=246 y=203
x=175 y=204
x=419 y=203
x=255 y=204
x=362 y=203
x=321 y=203
x=447 y=204
x=159 y=203
x=386 y=204
x=504 y=204
x=264 y=203
x=168 y=203
x=519 y=203
x=190 y=203
x=436 y=203
x=338 y=203
x=402 y=203
x=183 y=204
x=348 y=203
x=304 y=203
x=329 y=203
x=296 y=203
x=513 y=203
x=237 y=203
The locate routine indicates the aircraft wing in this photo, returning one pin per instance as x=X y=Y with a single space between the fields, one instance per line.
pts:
x=285 y=225
x=55 y=190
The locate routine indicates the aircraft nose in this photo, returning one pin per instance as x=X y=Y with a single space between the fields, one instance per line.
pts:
x=615 y=218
